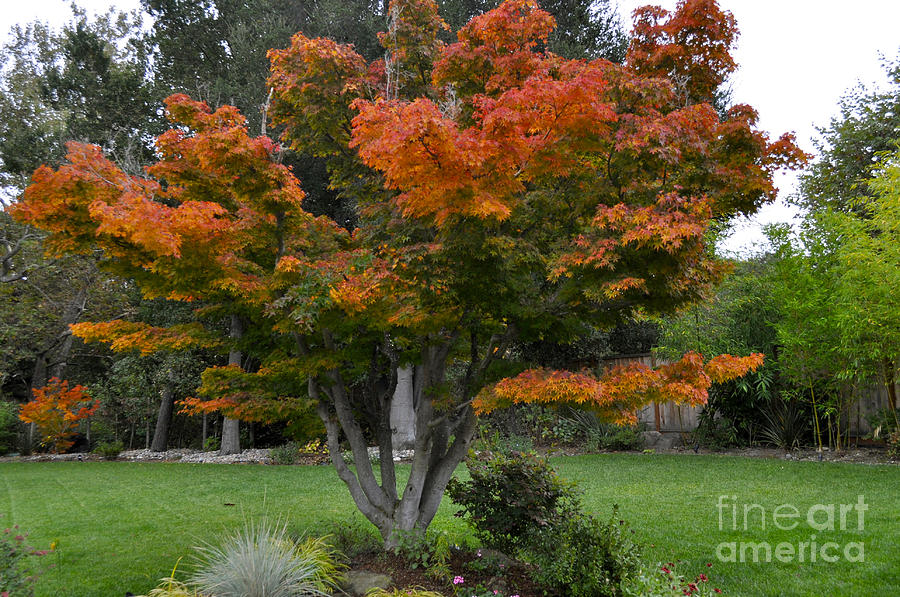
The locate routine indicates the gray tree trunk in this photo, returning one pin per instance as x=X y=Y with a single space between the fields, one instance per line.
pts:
x=403 y=412
x=164 y=418
x=231 y=438
x=436 y=454
x=442 y=436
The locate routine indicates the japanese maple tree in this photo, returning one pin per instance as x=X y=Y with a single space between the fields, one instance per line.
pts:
x=56 y=410
x=503 y=193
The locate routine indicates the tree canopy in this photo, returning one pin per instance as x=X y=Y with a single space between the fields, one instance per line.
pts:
x=851 y=145
x=504 y=192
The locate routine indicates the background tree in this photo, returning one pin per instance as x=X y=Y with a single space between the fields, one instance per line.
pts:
x=41 y=298
x=870 y=258
x=56 y=409
x=840 y=320
x=738 y=317
x=88 y=82
x=849 y=147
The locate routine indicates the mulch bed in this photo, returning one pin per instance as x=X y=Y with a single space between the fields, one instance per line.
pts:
x=514 y=580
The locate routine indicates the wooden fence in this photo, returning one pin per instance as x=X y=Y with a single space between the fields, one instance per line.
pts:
x=669 y=417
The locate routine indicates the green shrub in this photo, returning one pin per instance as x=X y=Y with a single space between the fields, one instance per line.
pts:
x=495 y=441
x=509 y=495
x=599 y=435
x=16 y=580
x=581 y=556
x=715 y=432
x=212 y=444
x=623 y=437
x=785 y=424
x=550 y=425
x=430 y=552
x=884 y=426
x=9 y=427
x=109 y=450
x=289 y=453
x=261 y=560
x=102 y=431
x=517 y=503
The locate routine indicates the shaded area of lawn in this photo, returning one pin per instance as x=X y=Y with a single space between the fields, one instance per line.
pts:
x=121 y=526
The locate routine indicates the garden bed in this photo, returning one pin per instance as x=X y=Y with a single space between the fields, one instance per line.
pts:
x=514 y=580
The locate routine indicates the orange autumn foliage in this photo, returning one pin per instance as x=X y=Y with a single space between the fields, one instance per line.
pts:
x=56 y=410
x=691 y=46
x=501 y=189
x=123 y=336
x=620 y=392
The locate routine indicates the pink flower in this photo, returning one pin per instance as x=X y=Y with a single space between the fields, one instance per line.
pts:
x=458 y=580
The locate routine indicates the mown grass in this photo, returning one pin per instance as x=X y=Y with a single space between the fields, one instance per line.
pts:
x=120 y=526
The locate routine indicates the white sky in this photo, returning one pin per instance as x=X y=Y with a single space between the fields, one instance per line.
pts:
x=796 y=58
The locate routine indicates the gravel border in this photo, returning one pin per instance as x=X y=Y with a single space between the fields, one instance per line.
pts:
x=256 y=456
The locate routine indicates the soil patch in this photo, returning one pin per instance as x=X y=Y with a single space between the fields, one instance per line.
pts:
x=513 y=581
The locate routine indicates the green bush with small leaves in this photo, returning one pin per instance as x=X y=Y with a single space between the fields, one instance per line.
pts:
x=16 y=575
x=511 y=494
x=518 y=504
x=288 y=453
x=352 y=537
x=109 y=450
x=430 y=552
x=893 y=445
x=582 y=556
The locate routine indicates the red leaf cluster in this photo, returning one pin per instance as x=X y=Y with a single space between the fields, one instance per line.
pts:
x=690 y=46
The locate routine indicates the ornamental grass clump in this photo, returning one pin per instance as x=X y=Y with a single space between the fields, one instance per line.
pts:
x=261 y=560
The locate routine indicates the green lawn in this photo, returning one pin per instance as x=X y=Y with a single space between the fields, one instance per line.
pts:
x=121 y=526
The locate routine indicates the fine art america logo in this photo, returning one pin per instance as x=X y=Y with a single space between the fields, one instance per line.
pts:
x=819 y=518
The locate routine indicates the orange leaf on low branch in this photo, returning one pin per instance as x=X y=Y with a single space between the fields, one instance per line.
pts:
x=621 y=391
